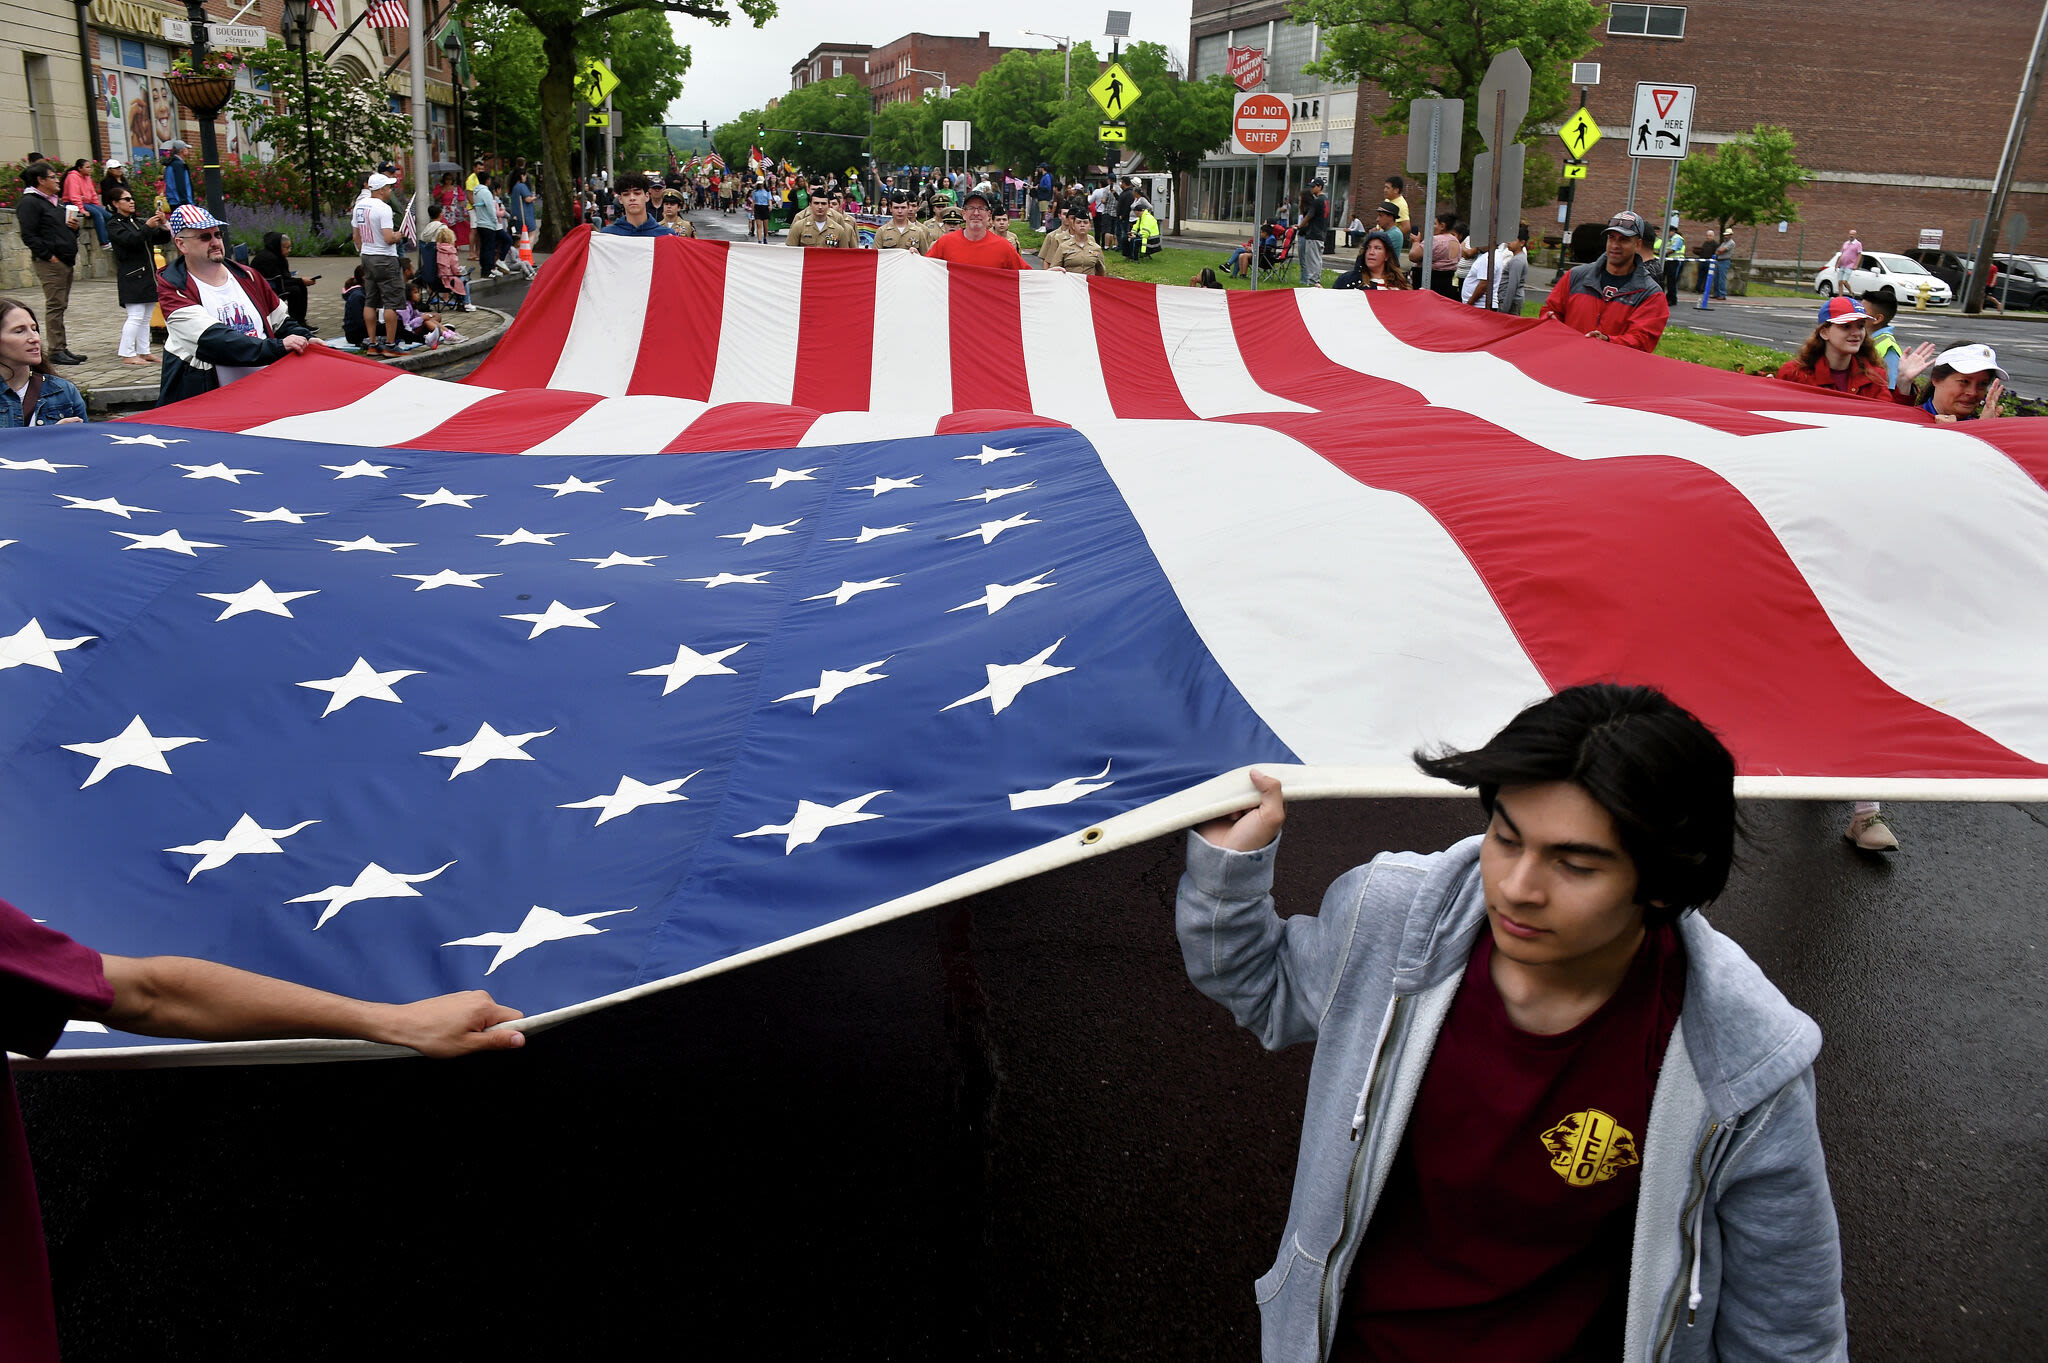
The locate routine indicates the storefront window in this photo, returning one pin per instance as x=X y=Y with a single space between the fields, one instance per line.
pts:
x=135 y=102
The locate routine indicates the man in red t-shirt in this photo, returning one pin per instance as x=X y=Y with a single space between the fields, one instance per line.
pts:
x=974 y=244
x=46 y=979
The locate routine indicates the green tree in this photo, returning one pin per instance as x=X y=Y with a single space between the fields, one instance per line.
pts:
x=566 y=29
x=733 y=140
x=1744 y=181
x=1177 y=122
x=834 y=113
x=642 y=51
x=1414 y=48
x=906 y=134
x=506 y=60
x=352 y=128
x=1015 y=102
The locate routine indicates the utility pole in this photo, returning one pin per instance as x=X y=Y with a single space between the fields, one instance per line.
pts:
x=416 y=69
x=209 y=143
x=2008 y=161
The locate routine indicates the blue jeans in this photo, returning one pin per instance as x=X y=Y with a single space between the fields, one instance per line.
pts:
x=99 y=220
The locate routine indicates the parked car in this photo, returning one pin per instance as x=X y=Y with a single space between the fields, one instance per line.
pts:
x=1882 y=272
x=2022 y=282
x=1950 y=267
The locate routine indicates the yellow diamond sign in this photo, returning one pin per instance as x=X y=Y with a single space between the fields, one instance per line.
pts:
x=595 y=83
x=1114 y=90
x=1579 y=133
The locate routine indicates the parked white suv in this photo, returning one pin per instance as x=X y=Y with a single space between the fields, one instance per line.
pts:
x=1882 y=272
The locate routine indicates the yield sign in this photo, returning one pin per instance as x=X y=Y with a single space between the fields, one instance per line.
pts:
x=1665 y=99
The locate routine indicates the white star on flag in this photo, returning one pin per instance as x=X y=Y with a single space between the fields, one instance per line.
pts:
x=867 y=534
x=632 y=795
x=246 y=838
x=690 y=664
x=261 y=597
x=762 y=532
x=1005 y=680
x=541 y=925
x=781 y=476
x=846 y=591
x=134 y=746
x=367 y=545
x=34 y=466
x=811 y=819
x=727 y=579
x=559 y=616
x=488 y=746
x=362 y=468
x=220 y=471
x=170 y=539
x=988 y=530
x=995 y=595
x=988 y=456
x=831 y=684
x=113 y=506
x=882 y=485
x=441 y=496
x=573 y=484
x=1062 y=792
x=30 y=647
x=524 y=536
x=447 y=577
x=372 y=882
x=279 y=513
x=360 y=682
x=146 y=439
x=661 y=506
x=989 y=494
x=620 y=559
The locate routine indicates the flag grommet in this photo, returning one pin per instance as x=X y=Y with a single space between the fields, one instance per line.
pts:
x=1092 y=835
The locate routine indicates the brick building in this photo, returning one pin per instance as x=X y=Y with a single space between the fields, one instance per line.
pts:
x=1896 y=146
x=893 y=68
x=829 y=61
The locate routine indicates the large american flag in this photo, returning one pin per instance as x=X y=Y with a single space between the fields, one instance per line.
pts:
x=963 y=576
x=388 y=14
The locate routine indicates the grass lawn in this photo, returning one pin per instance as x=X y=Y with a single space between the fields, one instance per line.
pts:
x=1695 y=347
x=1759 y=290
x=1176 y=264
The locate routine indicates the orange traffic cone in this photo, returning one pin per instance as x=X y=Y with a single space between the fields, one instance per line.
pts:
x=526 y=247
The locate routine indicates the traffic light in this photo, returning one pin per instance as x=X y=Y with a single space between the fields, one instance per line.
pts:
x=706 y=127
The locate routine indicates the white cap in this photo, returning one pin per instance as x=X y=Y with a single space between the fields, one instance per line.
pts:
x=115 y=165
x=381 y=181
x=1970 y=359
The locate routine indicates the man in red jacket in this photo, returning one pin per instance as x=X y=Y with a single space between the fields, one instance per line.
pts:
x=1614 y=298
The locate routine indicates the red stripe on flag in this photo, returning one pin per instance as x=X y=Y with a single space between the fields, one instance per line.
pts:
x=1710 y=608
x=982 y=421
x=987 y=338
x=744 y=426
x=835 y=337
x=2023 y=442
x=1284 y=359
x=526 y=355
x=317 y=381
x=1133 y=352
x=679 y=342
x=508 y=423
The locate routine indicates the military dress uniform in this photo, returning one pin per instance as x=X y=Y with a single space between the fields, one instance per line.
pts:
x=833 y=232
x=1063 y=250
x=907 y=237
x=949 y=218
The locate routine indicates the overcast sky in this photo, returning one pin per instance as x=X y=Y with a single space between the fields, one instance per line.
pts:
x=738 y=68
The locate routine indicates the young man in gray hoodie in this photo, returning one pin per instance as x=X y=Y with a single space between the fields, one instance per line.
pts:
x=1552 y=1113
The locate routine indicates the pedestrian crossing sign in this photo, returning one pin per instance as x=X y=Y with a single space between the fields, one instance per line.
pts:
x=595 y=82
x=1114 y=90
x=1579 y=133
x=1575 y=170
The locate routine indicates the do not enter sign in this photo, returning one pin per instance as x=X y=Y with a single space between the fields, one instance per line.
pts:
x=1260 y=124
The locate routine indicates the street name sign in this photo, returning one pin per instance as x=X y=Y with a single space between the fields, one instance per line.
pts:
x=1114 y=90
x=1580 y=134
x=1260 y=124
x=1661 y=126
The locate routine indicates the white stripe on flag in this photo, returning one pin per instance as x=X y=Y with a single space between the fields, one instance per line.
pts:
x=1296 y=613
x=764 y=289
x=611 y=310
x=912 y=369
x=853 y=428
x=1201 y=348
x=1060 y=359
x=640 y=424
x=1927 y=548
x=403 y=409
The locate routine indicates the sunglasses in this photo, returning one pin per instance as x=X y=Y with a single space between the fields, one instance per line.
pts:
x=209 y=234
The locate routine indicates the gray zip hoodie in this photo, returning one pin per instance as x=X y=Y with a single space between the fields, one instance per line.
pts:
x=1736 y=1255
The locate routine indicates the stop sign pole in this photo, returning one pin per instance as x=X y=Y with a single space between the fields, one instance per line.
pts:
x=1259 y=123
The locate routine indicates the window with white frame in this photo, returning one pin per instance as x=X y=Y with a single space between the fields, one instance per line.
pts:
x=1647 y=21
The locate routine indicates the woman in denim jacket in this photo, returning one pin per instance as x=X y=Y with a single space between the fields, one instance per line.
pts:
x=21 y=361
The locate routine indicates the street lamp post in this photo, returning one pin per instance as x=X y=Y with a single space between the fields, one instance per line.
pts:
x=1066 y=46
x=945 y=91
x=298 y=19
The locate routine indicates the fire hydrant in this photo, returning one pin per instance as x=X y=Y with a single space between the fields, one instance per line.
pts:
x=1920 y=299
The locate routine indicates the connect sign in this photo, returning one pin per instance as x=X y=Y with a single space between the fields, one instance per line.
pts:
x=1260 y=124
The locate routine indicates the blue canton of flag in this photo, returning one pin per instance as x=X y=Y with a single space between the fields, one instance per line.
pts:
x=399 y=722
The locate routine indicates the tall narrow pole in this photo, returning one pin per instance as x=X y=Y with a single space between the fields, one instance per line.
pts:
x=416 y=68
x=1436 y=132
x=1664 y=228
x=1635 y=166
x=209 y=143
x=306 y=113
x=2008 y=160
x=1494 y=226
x=611 y=143
x=1258 y=219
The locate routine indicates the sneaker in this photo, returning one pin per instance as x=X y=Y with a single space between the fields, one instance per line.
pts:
x=1871 y=833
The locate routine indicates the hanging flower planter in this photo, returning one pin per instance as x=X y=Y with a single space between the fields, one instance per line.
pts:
x=203 y=95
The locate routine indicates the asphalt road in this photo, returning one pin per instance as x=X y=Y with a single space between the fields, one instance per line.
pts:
x=1005 y=1130
x=1784 y=323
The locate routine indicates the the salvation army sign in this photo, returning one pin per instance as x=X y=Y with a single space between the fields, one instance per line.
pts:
x=1246 y=66
x=1260 y=124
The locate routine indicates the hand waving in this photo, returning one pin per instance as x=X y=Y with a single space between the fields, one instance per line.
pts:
x=1914 y=363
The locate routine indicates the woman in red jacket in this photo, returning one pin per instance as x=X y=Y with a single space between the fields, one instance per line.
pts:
x=1839 y=354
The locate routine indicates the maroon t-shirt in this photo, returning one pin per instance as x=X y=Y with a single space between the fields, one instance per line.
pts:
x=1505 y=1228
x=45 y=979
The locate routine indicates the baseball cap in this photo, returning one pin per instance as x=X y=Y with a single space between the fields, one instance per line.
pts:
x=1388 y=207
x=1970 y=359
x=981 y=192
x=178 y=145
x=1842 y=309
x=1627 y=223
x=191 y=218
x=378 y=181
x=1319 y=183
